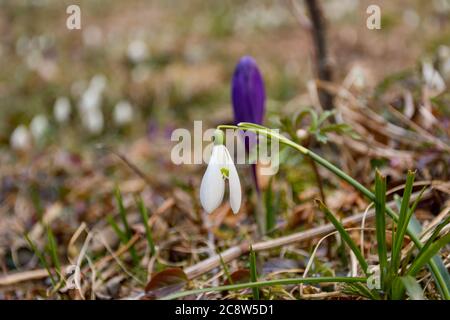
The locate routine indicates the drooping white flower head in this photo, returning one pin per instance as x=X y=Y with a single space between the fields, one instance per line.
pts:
x=137 y=51
x=220 y=168
x=98 y=82
x=61 y=109
x=432 y=78
x=39 y=126
x=93 y=120
x=123 y=113
x=20 y=138
x=91 y=99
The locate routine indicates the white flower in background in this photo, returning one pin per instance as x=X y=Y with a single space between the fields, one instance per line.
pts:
x=220 y=168
x=93 y=120
x=432 y=78
x=357 y=77
x=39 y=126
x=92 y=96
x=98 y=83
x=61 y=109
x=20 y=138
x=123 y=113
x=90 y=105
x=137 y=51
x=91 y=99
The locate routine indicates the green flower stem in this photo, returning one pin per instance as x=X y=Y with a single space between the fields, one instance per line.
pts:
x=366 y=192
x=239 y=286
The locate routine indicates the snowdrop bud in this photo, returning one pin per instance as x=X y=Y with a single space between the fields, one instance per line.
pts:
x=137 y=51
x=91 y=99
x=359 y=78
x=39 y=126
x=20 y=138
x=93 y=120
x=61 y=109
x=123 y=113
x=432 y=78
x=98 y=83
x=301 y=134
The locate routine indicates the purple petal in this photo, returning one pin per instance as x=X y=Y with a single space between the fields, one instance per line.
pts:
x=247 y=92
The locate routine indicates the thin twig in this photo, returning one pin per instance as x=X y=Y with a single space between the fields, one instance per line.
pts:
x=323 y=65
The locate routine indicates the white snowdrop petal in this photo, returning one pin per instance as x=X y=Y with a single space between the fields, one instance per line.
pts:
x=235 y=189
x=234 y=184
x=212 y=188
x=61 y=109
x=123 y=113
x=20 y=138
x=93 y=120
x=38 y=126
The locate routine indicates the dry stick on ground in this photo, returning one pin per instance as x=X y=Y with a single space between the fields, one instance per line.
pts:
x=323 y=64
x=235 y=252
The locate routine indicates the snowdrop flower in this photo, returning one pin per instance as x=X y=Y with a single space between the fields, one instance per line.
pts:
x=123 y=113
x=432 y=78
x=61 y=109
x=220 y=168
x=91 y=99
x=93 y=120
x=137 y=51
x=98 y=83
x=39 y=126
x=20 y=138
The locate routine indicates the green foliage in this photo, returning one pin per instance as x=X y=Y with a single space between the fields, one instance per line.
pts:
x=318 y=126
x=380 y=219
x=124 y=235
x=148 y=232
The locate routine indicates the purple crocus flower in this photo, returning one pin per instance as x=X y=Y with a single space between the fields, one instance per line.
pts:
x=248 y=96
x=247 y=92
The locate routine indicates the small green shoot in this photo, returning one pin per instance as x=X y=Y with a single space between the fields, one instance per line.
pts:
x=253 y=273
x=148 y=232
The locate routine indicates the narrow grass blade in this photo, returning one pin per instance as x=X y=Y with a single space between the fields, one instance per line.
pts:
x=345 y=235
x=403 y=221
x=53 y=248
x=123 y=218
x=116 y=228
x=426 y=254
x=253 y=273
x=225 y=269
x=397 y=289
x=122 y=212
x=148 y=232
x=41 y=258
x=380 y=220
x=268 y=283
x=361 y=290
